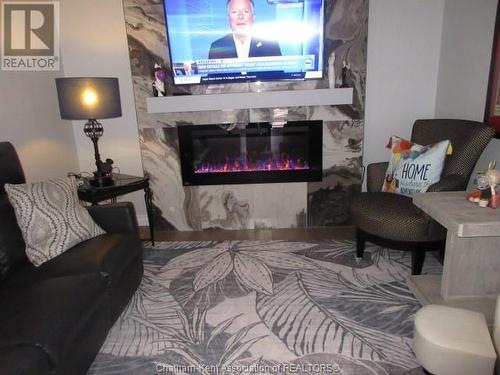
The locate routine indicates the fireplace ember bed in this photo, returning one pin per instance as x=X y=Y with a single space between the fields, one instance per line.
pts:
x=252 y=153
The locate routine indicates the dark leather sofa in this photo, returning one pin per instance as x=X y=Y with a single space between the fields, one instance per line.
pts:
x=54 y=318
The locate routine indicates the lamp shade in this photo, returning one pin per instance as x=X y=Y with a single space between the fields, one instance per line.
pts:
x=88 y=98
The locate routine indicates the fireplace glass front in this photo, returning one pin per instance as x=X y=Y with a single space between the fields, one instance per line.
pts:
x=253 y=153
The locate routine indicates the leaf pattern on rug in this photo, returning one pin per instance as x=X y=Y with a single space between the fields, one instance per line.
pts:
x=253 y=273
x=249 y=262
x=307 y=327
x=281 y=260
x=340 y=253
x=148 y=324
x=209 y=349
x=192 y=259
x=215 y=270
x=269 y=249
x=270 y=303
x=389 y=307
x=182 y=290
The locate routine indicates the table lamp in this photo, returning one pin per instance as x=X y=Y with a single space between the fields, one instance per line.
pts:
x=91 y=99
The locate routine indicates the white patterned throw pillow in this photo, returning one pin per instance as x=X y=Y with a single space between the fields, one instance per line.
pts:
x=51 y=218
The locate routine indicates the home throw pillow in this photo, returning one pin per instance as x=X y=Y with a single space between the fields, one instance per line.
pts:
x=51 y=218
x=413 y=167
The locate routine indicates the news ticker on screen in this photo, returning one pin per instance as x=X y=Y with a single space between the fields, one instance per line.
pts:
x=245 y=68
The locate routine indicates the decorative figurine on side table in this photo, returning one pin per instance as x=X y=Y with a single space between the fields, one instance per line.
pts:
x=494 y=179
x=486 y=183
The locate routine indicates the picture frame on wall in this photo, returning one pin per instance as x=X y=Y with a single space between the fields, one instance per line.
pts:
x=492 y=111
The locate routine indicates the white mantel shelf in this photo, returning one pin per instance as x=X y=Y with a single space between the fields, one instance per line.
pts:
x=267 y=99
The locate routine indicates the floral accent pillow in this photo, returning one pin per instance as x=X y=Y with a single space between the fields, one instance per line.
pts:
x=413 y=167
x=51 y=218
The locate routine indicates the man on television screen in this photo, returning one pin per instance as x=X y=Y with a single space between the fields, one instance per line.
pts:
x=240 y=43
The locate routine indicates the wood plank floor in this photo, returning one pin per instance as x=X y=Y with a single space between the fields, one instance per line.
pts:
x=337 y=233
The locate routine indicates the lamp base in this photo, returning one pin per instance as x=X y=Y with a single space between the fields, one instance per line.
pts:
x=102 y=181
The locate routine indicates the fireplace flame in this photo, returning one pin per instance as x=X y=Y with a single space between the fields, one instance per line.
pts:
x=243 y=166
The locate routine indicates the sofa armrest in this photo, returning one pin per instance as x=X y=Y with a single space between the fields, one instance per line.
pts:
x=452 y=182
x=375 y=175
x=115 y=218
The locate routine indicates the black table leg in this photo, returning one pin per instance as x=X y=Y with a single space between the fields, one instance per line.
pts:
x=148 y=197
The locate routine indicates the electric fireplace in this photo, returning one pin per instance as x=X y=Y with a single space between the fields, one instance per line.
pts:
x=251 y=153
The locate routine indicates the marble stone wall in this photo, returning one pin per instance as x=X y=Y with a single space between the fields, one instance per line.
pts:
x=280 y=205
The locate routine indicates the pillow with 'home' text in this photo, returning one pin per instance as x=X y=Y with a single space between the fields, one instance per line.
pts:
x=413 y=167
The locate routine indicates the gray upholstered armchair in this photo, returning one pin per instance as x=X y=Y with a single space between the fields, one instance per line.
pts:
x=392 y=220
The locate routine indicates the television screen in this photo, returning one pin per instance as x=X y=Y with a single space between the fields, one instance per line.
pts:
x=224 y=41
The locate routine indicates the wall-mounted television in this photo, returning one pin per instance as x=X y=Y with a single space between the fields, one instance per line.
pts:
x=226 y=41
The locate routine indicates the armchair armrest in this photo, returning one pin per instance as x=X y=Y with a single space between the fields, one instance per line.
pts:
x=452 y=182
x=116 y=218
x=375 y=175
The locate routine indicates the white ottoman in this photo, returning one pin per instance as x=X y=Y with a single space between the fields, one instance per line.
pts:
x=448 y=340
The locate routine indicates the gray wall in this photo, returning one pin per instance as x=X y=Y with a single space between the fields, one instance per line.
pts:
x=94 y=43
x=467 y=39
x=30 y=120
x=404 y=41
x=464 y=64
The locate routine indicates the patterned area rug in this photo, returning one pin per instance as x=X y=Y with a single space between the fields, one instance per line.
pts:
x=267 y=307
